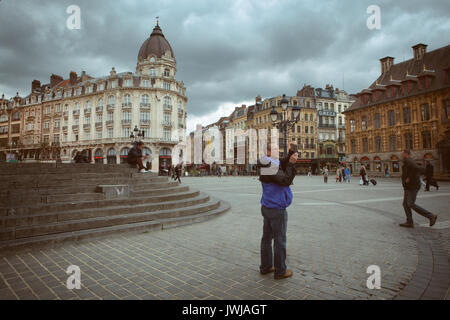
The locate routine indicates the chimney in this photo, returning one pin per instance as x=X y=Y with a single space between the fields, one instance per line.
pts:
x=419 y=51
x=386 y=64
x=35 y=84
x=73 y=78
x=54 y=80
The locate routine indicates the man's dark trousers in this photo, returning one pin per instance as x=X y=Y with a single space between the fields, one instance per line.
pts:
x=409 y=200
x=275 y=226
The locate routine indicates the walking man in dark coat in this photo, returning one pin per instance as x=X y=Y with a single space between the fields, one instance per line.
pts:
x=411 y=186
x=429 y=170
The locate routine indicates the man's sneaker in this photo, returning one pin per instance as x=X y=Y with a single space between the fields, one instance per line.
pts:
x=287 y=274
x=407 y=225
x=143 y=171
x=272 y=269
x=433 y=220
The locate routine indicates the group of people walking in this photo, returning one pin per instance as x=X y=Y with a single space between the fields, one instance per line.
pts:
x=342 y=174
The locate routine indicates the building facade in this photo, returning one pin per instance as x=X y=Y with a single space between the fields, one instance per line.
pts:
x=99 y=115
x=330 y=104
x=406 y=107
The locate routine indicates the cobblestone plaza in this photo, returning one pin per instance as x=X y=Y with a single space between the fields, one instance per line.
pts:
x=335 y=231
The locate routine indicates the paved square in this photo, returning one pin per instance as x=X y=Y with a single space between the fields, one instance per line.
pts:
x=335 y=231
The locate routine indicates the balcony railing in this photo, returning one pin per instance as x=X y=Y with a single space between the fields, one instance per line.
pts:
x=87 y=126
x=64 y=128
x=167 y=107
x=87 y=111
x=109 y=123
x=145 y=105
x=99 y=124
x=167 y=123
x=127 y=105
x=327 y=125
x=99 y=109
x=145 y=122
x=30 y=118
x=110 y=107
x=75 y=127
x=76 y=112
x=66 y=114
x=126 y=122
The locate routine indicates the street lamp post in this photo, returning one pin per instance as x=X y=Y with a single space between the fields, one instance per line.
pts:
x=136 y=135
x=284 y=123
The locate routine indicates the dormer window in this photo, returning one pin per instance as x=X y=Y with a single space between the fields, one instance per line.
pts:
x=127 y=83
x=101 y=87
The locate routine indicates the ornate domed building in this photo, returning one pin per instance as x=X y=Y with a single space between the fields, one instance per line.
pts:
x=100 y=114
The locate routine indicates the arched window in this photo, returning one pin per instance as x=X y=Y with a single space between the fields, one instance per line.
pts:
x=124 y=154
x=111 y=100
x=146 y=152
x=165 y=152
x=98 y=156
x=111 y=156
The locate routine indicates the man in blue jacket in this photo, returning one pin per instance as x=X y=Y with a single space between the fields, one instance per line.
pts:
x=276 y=197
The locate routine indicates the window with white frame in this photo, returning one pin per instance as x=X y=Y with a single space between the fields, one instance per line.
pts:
x=111 y=100
x=110 y=133
x=145 y=116
x=127 y=83
x=167 y=102
x=126 y=132
x=145 y=83
x=126 y=116
x=166 y=134
x=127 y=99
x=145 y=99
x=152 y=73
x=166 y=85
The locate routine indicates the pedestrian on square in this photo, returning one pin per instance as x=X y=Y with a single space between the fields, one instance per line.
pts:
x=309 y=172
x=429 y=170
x=363 y=174
x=347 y=174
x=177 y=172
x=325 y=174
x=411 y=185
x=276 y=197
x=338 y=175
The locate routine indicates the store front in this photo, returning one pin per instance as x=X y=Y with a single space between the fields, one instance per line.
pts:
x=165 y=159
x=377 y=167
x=395 y=164
x=98 y=156
x=111 y=156
x=124 y=155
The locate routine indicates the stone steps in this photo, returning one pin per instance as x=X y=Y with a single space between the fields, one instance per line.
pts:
x=60 y=204
x=115 y=219
x=53 y=240
x=145 y=205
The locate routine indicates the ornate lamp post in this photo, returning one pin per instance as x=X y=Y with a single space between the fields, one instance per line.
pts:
x=136 y=135
x=284 y=123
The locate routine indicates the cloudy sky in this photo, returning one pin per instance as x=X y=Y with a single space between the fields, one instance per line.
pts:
x=228 y=51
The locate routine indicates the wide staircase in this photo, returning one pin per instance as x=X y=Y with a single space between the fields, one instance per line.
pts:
x=49 y=204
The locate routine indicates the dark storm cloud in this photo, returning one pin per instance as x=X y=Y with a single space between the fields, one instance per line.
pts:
x=227 y=51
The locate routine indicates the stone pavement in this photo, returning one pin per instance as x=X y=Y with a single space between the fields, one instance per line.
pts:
x=335 y=231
